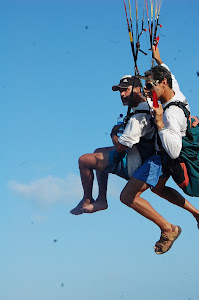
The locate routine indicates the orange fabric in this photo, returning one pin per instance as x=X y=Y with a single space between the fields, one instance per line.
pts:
x=186 y=180
x=196 y=122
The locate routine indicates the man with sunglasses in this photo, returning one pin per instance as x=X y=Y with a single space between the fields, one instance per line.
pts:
x=135 y=186
x=175 y=85
x=171 y=126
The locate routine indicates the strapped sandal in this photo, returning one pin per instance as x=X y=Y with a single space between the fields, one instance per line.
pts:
x=163 y=245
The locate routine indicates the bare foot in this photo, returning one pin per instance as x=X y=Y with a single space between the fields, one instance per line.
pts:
x=78 y=209
x=94 y=207
x=166 y=240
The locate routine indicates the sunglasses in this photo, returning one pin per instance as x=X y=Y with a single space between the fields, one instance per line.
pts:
x=150 y=85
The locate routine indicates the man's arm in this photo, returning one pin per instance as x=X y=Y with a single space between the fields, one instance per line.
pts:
x=136 y=127
x=116 y=143
x=169 y=129
x=175 y=85
x=156 y=55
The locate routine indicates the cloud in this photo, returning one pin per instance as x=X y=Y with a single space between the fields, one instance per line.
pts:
x=52 y=190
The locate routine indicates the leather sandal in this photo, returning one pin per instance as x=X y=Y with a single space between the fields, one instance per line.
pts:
x=166 y=241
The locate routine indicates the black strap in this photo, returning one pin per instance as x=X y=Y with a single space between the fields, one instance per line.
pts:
x=126 y=119
x=186 y=112
x=179 y=104
x=139 y=111
x=128 y=115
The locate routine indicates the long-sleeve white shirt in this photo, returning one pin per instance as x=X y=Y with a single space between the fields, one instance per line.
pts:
x=175 y=122
x=176 y=89
x=138 y=126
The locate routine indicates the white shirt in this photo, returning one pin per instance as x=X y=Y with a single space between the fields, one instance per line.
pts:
x=175 y=87
x=139 y=125
x=175 y=121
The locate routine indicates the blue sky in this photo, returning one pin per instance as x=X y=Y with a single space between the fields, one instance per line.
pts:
x=59 y=60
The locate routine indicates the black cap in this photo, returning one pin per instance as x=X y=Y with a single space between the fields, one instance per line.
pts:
x=125 y=81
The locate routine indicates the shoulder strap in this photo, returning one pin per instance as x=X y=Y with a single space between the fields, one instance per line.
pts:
x=186 y=112
x=143 y=111
x=180 y=105
x=140 y=111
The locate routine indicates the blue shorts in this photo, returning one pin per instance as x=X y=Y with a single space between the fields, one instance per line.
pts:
x=117 y=164
x=150 y=171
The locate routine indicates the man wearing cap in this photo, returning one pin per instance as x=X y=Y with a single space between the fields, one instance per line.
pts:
x=122 y=159
x=102 y=161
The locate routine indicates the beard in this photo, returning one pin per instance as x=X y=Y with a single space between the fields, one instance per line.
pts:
x=125 y=101
x=137 y=98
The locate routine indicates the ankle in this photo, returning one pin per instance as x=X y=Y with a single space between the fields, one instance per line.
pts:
x=87 y=200
x=167 y=229
x=101 y=200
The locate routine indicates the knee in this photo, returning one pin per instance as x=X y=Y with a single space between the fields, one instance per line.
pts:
x=82 y=160
x=126 y=199
x=161 y=188
x=157 y=190
x=98 y=150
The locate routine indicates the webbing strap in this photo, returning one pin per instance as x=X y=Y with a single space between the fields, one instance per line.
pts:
x=186 y=112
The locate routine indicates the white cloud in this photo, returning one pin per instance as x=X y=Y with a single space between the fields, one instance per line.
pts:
x=51 y=190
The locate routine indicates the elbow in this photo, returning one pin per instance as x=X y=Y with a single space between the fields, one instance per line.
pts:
x=175 y=154
x=120 y=148
x=174 y=149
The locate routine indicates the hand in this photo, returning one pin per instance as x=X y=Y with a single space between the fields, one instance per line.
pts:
x=116 y=128
x=156 y=55
x=158 y=112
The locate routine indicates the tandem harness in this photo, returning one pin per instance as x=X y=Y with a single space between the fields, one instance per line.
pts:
x=146 y=147
x=185 y=169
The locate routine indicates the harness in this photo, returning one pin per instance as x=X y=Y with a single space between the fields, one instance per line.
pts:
x=167 y=168
x=146 y=146
x=185 y=169
x=185 y=110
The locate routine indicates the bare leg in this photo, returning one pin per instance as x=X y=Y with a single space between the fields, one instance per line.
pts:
x=88 y=163
x=174 y=197
x=87 y=178
x=102 y=180
x=101 y=202
x=131 y=197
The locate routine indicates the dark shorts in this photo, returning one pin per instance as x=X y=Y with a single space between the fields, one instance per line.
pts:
x=117 y=164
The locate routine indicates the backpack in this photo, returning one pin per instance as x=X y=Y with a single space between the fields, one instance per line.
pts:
x=185 y=169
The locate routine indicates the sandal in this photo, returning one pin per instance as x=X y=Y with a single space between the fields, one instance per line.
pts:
x=163 y=245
